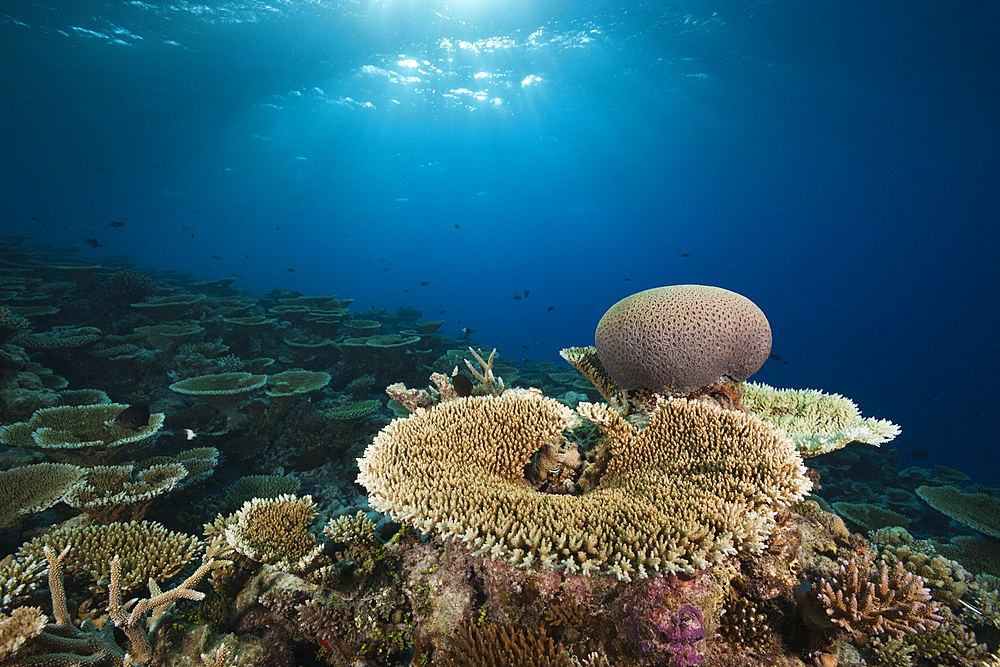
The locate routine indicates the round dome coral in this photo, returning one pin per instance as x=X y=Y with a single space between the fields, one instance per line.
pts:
x=680 y=338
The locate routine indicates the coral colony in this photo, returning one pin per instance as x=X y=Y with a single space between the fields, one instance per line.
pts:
x=189 y=476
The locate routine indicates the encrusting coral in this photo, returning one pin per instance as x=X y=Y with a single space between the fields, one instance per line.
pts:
x=696 y=484
x=816 y=421
x=876 y=598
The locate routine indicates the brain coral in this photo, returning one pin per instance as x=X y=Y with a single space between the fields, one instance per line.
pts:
x=680 y=338
x=695 y=484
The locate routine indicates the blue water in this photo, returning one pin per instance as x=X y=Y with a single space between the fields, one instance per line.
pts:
x=836 y=162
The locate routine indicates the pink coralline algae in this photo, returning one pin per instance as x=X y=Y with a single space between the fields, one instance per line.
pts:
x=679 y=633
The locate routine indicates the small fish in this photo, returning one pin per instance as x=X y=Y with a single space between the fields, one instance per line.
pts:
x=115 y=223
x=424 y=283
x=440 y=312
x=291 y=270
x=461 y=383
x=35 y=219
x=216 y=257
x=927 y=399
x=526 y=293
x=457 y=227
x=525 y=346
x=93 y=243
x=627 y=279
x=516 y=297
x=777 y=358
x=133 y=417
x=186 y=434
x=549 y=308
x=468 y=331
x=919 y=453
x=685 y=254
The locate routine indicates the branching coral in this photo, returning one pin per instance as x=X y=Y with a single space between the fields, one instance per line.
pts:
x=816 y=421
x=875 y=598
x=695 y=485
x=491 y=646
x=276 y=531
x=147 y=550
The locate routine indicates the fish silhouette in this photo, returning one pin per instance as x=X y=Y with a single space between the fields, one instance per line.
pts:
x=93 y=243
x=115 y=223
x=133 y=417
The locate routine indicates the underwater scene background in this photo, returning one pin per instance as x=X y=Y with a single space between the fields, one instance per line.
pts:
x=333 y=198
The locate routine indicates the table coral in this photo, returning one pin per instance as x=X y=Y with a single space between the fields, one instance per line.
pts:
x=84 y=435
x=695 y=485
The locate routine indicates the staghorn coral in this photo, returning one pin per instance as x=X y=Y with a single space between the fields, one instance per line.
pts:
x=34 y=488
x=491 y=646
x=697 y=484
x=978 y=511
x=84 y=435
x=680 y=338
x=947 y=579
x=816 y=422
x=875 y=598
x=276 y=531
x=147 y=549
x=362 y=544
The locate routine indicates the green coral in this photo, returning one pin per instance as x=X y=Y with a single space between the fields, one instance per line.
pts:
x=84 y=435
x=260 y=486
x=355 y=410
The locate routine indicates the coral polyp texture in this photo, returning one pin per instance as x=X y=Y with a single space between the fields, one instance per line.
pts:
x=677 y=339
x=693 y=486
x=84 y=435
x=816 y=421
x=877 y=598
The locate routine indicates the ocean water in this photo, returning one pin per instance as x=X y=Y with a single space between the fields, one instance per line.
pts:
x=835 y=162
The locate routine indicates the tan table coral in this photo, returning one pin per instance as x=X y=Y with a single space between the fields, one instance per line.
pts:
x=84 y=435
x=285 y=388
x=34 y=488
x=223 y=391
x=694 y=486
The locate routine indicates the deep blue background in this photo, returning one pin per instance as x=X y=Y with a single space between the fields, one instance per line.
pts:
x=836 y=162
